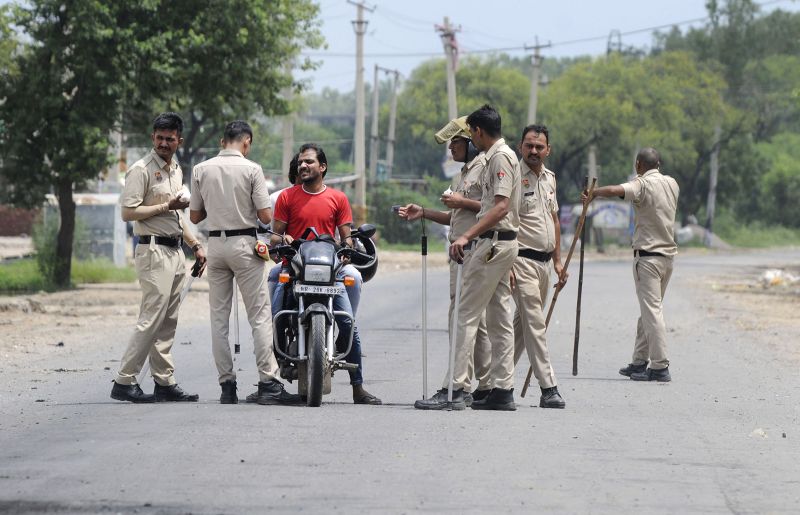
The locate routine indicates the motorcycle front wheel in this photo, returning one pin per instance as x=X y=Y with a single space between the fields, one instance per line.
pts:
x=316 y=358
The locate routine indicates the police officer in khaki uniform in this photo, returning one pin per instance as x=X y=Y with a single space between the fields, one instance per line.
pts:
x=539 y=242
x=464 y=203
x=150 y=199
x=487 y=286
x=230 y=191
x=655 y=201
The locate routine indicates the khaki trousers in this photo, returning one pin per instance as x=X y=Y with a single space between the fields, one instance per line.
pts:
x=161 y=271
x=480 y=359
x=487 y=289
x=651 y=275
x=530 y=296
x=229 y=258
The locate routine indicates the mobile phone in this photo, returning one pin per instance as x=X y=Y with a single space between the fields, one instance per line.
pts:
x=396 y=208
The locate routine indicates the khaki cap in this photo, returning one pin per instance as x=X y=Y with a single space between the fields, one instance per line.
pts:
x=454 y=129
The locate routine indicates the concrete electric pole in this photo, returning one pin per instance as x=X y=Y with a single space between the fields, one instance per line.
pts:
x=392 y=125
x=448 y=34
x=359 y=158
x=536 y=64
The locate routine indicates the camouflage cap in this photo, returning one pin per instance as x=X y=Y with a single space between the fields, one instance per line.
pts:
x=454 y=129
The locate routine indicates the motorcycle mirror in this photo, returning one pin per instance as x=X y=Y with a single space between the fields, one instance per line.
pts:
x=366 y=230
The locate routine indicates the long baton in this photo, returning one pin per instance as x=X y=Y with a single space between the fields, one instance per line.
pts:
x=578 y=307
x=453 y=332
x=236 y=346
x=184 y=292
x=578 y=231
x=424 y=250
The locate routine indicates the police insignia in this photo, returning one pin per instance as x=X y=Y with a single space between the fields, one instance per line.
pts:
x=501 y=174
x=526 y=182
x=158 y=176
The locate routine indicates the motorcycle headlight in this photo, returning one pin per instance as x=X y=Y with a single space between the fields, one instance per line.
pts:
x=317 y=273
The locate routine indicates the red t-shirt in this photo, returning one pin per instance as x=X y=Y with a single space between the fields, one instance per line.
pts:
x=324 y=211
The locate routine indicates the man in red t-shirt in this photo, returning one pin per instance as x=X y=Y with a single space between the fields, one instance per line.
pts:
x=312 y=204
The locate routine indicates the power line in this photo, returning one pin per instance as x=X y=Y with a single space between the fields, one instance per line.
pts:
x=522 y=47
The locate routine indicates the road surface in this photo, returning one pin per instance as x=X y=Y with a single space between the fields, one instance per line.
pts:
x=723 y=437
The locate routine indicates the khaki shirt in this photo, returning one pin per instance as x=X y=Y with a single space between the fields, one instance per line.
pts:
x=231 y=189
x=501 y=177
x=151 y=181
x=655 y=200
x=469 y=186
x=537 y=230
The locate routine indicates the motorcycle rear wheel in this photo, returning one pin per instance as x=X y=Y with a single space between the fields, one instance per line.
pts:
x=316 y=359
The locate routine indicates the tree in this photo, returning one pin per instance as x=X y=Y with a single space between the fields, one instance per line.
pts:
x=226 y=59
x=88 y=61
x=60 y=106
x=621 y=104
x=422 y=107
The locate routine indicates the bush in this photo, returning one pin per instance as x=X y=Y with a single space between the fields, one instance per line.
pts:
x=44 y=236
x=23 y=275
x=755 y=234
x=382 y=197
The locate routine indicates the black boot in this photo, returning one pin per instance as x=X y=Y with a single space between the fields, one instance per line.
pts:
x=272 y=392
x=228 y=395
x=173 y=393
x=551 y=398
x=498 y=399
x=439 y=401
x=130 y=393
x=632 y=369
x=649 y=374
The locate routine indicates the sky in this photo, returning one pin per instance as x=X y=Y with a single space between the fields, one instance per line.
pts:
x=401 y=34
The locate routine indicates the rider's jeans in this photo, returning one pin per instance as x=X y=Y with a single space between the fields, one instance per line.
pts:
x=340 y=303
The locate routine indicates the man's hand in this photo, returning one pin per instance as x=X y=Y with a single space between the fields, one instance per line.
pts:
x=457 y=249
x=585 y=198
x=452 y=200
x=410 y=212
x=561 y=273
x=200 y=257
x=177 y=203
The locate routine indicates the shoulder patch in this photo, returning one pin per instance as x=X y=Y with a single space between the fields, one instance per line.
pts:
x=501 y=174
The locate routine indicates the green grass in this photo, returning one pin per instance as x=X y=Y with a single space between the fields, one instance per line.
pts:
x=757 y=235
x=23 y=275
x=383 y=245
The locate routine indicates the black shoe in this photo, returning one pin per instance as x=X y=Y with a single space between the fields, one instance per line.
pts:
x=660 y=375
x=173 y=393
x=252 y=398
x=361 y=396
x=468 y=399
x=498 y=399
x=551 y=398
x=632 y=369
x=272 y=392
x=130 y=393
x=479 y=395
x=439 y=401
x=228 y=395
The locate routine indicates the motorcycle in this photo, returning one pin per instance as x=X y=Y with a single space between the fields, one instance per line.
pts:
x=304 y=330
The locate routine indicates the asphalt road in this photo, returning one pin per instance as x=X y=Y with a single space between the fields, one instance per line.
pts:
x=721 y=438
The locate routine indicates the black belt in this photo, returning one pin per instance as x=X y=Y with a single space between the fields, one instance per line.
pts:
x=544 y=257
x=501 y=235
x=646 y=254
x=469 y=245
x=262 y=230
x=161 y=240
x=235 y=232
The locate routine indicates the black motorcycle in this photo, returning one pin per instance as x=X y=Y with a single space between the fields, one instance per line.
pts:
x=304 y=332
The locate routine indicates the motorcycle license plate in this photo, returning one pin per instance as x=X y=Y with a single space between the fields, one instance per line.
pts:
x=319 y=290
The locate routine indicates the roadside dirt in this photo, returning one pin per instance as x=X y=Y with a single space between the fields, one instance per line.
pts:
x=32 y=325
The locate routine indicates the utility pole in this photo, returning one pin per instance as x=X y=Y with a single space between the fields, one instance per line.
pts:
x=287 y=123
x=359 y=158
x=448 y=34
x=592 y=162
x=373 y=136
x=536 y=64
x=712 y=180
x=392 y=122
